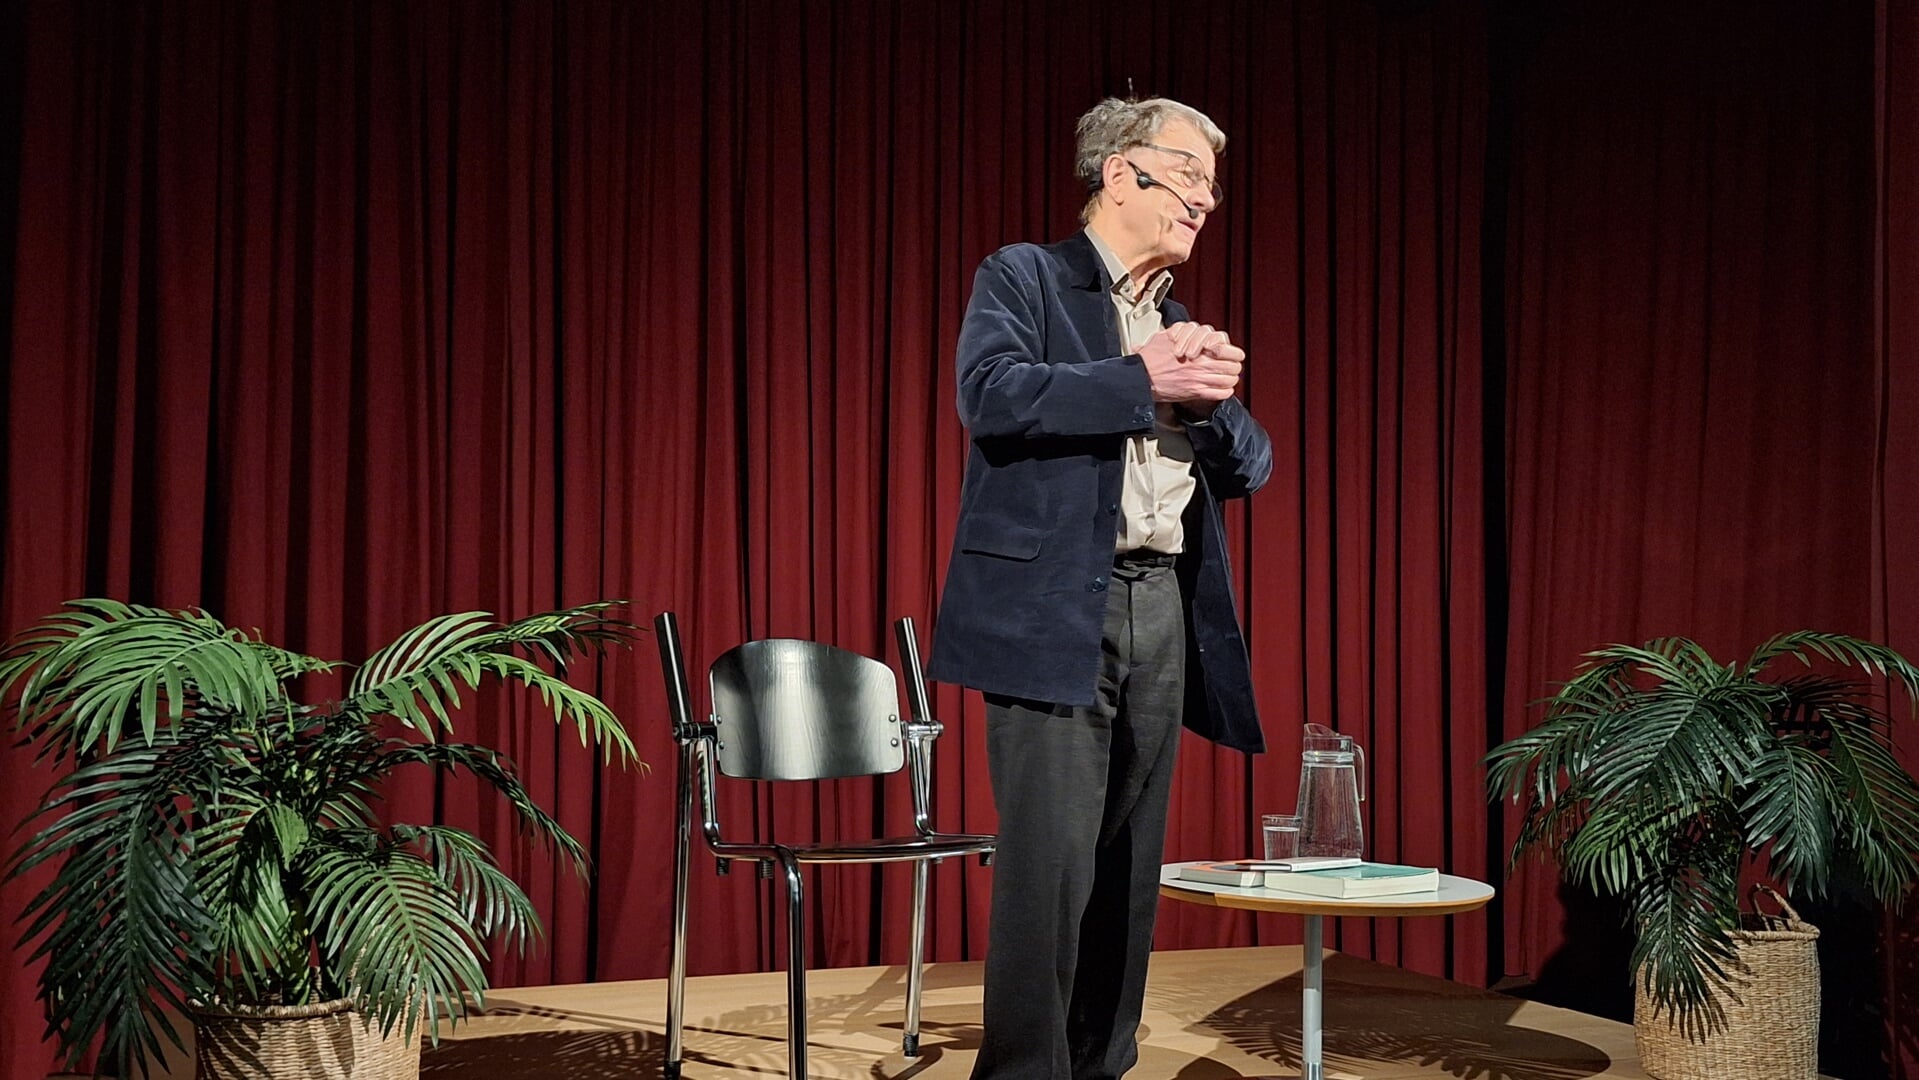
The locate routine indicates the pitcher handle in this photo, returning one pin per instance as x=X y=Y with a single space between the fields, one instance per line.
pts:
x=1360 y=752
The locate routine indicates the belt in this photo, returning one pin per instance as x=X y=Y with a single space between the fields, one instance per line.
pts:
x=1143 y=558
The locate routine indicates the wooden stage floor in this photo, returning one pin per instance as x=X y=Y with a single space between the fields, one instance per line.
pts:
x=1211 y=1014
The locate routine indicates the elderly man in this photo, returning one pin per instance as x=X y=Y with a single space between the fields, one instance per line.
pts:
x=1089 y=595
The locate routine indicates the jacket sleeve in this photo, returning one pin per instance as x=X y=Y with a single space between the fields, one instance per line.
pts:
x=1233 y=450
x=1007 y=389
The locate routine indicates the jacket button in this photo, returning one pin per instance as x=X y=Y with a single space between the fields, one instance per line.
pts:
x=1098 y=585
x=1112 y=508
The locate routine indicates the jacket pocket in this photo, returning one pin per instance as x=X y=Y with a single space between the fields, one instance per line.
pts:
x=1000 y=538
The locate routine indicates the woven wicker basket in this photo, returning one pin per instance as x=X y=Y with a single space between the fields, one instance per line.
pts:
x=1772 y=1018
x=327 y=1041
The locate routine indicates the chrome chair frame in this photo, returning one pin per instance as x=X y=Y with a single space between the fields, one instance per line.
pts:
x=702 y=755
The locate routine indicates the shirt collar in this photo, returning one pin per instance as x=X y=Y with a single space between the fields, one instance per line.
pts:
x=1156 y=287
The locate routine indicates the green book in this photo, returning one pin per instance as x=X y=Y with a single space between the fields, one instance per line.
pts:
x=1366 y=879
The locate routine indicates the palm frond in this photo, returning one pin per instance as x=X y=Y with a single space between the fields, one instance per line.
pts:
x=120 y=846
x=1786 y=809
x=256 y=949
x=286 y=663
x=91 y=674
x=1670 y=745
x=416 y=679
x=493 y=768
x=1685 y=919
x=493 y=902
x=1545 y=828
x=1842 y=649
x=1621 y=842
x=563 y=634
x=416 y=668
x=596 y=722
x=1880 y=816
x=393 y=932
x=1669 y=660
x=1537 y=759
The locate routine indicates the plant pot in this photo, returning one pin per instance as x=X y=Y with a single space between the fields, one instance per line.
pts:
x=326 y=1041
x=1772 y=1012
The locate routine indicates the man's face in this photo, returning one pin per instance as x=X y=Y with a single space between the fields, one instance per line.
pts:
x=1180 y=159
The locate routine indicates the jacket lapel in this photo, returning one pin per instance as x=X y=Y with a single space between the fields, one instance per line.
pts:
x=1086 y=295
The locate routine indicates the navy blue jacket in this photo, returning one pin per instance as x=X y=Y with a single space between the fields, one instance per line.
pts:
x=1049 y=401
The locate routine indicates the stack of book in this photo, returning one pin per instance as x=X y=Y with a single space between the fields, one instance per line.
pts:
x=1338 y=879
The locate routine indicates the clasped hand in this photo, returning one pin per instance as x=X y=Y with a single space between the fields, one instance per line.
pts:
x=1192 y=365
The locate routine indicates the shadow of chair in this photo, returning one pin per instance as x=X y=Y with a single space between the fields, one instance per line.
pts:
x=786 y=710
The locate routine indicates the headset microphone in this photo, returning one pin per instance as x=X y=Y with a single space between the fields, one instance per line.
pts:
x=1146 y=181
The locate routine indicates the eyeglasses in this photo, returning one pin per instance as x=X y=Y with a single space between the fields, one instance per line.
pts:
x=1188 y=172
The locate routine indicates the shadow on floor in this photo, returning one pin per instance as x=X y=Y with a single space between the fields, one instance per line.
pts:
x=606 y=1046
x=538 y=1055
x=1367 y=1022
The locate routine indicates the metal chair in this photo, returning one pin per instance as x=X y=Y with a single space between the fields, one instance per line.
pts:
x=798 y=710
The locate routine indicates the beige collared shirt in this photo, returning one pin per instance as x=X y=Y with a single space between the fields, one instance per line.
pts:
x=1158 y=481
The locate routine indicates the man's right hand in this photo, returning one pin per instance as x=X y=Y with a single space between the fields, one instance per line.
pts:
x=1179 y=376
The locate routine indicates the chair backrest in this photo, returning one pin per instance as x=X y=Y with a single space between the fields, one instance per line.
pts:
x=800 y=710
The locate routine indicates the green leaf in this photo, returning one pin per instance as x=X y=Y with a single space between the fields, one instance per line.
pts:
x=289 y=828
x=120 y=859
x=415 y=676
x=395 y=931
x=493 y=902
x=490 y=767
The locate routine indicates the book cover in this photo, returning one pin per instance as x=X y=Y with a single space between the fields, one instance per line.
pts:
x=1366 y=879
x=1223 y=873
x=1309 y=862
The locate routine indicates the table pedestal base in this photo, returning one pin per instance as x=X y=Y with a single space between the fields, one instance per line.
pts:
x=1311 y=1020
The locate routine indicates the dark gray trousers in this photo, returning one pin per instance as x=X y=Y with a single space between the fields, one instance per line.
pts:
x=1082 y=794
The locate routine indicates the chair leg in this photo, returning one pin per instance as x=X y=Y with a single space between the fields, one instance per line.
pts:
x=916 y=963
x=682 y=882
x=795 y=967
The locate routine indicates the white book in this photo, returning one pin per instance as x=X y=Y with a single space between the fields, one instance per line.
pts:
x=1364 y=879
x=1303 y=863
x=1252 y=872
x=1223 y=873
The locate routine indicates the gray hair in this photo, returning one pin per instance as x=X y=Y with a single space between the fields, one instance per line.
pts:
x=1115 y=126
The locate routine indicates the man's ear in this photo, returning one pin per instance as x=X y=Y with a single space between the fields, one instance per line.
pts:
x=1119 y=178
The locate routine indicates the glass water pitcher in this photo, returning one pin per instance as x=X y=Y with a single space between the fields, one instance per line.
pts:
x=1332 y=784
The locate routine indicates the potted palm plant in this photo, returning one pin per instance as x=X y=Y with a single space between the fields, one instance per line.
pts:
x=1660 y=776
x=216 y=846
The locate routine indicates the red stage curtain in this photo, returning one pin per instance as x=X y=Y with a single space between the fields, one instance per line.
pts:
x=1691 y=426
x=1895 y=524
x=331 y=318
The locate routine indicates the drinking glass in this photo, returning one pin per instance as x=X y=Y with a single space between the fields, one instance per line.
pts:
x=1281 y=832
